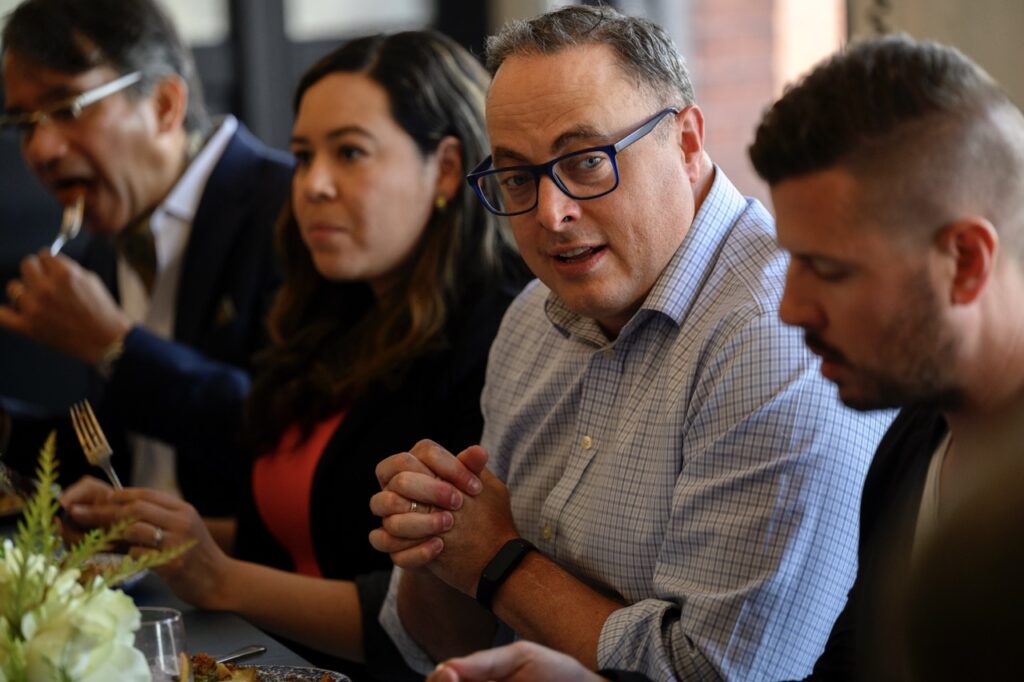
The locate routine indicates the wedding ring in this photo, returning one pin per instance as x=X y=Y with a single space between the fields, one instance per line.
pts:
x=415 y=507
x=158 y=537
x=15 y=290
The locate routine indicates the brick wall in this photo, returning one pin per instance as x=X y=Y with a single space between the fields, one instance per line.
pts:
x=732 y=64
x=742 y=53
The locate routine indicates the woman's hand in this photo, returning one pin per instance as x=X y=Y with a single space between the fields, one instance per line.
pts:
x=87 y=490
x=159 y=521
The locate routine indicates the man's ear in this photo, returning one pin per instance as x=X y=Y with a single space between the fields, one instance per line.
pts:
x=690 y=134
x=971 y=243
x=450 y=173
x=170 y=102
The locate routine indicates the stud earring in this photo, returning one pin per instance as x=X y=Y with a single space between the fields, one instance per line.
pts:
x=440 y=203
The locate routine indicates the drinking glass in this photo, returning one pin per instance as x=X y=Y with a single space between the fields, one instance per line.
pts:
x=161 y=638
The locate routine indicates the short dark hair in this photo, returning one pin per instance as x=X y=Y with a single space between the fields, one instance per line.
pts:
x=865 y=97
x=73 y=36
x=643 y=49
x=932 y=127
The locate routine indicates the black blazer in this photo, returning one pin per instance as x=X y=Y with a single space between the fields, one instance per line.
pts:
x=439 y=398
x=174 y=390
x=889 y=506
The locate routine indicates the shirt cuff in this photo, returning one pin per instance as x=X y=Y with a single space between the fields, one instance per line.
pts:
x=415 y=657
x=646 y=637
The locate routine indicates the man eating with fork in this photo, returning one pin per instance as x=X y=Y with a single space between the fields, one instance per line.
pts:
x=174 y=283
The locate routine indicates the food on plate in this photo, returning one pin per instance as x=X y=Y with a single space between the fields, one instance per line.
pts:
x=184 y=666
x=10 y=503
x=206 y=669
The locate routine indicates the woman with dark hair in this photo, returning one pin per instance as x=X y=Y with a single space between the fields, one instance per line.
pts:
x=396 y=279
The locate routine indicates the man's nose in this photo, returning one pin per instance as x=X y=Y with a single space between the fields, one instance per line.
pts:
x=798 y=306
x=555 y=209
x=43 y=144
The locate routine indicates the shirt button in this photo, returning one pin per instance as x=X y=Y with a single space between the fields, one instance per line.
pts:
x=546 y=533
x=586 y=442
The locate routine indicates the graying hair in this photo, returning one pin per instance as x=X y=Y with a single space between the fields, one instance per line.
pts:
x=74 y=36
x=643 y=50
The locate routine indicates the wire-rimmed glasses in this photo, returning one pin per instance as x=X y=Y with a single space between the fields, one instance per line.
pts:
x=583 y=174
x=69 y=109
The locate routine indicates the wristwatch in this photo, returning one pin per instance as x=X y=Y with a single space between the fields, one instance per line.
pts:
x=108 y=359
x=498 y=569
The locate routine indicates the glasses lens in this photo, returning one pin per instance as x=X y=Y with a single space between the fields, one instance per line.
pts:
x=64 y=113
x=16 y=124
x=511 y=191
x=587 y=174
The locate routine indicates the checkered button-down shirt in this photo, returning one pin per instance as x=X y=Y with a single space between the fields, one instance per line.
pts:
x=697 y=467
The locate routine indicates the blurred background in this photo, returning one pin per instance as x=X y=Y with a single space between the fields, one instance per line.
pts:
x=742 y=53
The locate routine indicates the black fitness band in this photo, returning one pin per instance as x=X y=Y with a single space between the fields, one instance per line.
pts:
x=498 y=569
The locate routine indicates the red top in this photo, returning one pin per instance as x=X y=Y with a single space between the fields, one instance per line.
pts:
x=281 y=485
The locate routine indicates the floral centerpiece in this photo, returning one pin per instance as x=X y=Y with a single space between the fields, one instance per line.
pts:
x=60 y=618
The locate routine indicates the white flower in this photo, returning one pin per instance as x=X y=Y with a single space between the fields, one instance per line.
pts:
x=51 y=627
x=87 y=634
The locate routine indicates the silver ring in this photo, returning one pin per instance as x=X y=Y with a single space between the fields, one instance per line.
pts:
x=414 y=507
x=158 y=537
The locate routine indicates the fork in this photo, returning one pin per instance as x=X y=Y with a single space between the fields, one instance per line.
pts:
x=70 y=224
x=244 y=652
x=94 y=443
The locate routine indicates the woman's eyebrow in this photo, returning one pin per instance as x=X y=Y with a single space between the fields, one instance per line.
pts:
x=335 y=133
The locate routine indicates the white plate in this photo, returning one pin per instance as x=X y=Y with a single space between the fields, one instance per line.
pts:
x=113 y=560
x=291 y=673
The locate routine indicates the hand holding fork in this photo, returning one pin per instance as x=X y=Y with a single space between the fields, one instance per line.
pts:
x=94 y=442
x=70 y=225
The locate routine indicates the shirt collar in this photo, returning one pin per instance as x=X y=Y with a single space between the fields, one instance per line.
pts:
x=679 y=284
x=183 y=199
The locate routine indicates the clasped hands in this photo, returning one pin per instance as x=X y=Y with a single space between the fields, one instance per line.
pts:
x=445 y=513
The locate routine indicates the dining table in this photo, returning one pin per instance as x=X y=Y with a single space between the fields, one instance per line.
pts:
x=213 y=632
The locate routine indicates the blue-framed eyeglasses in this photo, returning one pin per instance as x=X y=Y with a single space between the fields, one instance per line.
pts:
x=69 y=109
x=584 y=174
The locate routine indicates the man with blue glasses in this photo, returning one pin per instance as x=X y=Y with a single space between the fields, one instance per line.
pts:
x=671 y=487
x=584 y=174
x=169 y=301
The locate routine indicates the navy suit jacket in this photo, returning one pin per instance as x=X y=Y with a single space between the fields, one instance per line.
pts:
x=177 y=390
